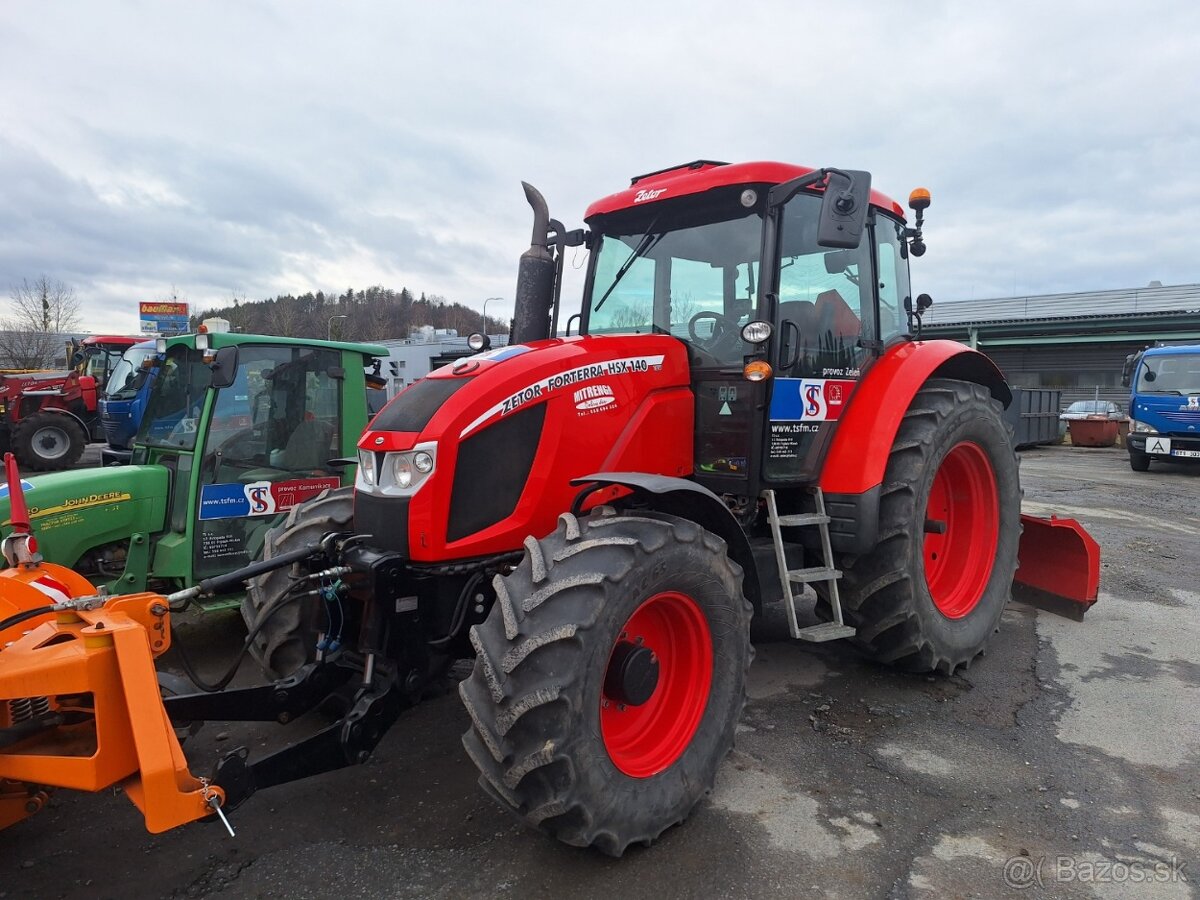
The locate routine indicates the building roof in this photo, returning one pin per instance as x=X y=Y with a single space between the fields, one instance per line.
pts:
x=1178 y=299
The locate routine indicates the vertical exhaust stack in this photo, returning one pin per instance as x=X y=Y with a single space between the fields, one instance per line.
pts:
x=535 y=277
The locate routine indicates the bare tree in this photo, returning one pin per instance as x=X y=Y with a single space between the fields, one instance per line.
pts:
x=42 y=313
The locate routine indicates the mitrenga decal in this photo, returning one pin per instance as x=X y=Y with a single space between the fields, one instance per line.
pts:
x=809 y=399
x=630 y=365
x=593 y=397
x=260 y=498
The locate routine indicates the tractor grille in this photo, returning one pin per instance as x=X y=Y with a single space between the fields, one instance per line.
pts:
x=384 y=518
x=493 y=466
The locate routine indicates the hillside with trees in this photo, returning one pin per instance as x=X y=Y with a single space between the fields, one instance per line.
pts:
x=374 y=314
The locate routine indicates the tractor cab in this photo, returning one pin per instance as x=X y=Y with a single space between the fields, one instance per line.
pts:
x=249 y=428
x=779 y=311
x=98 y=356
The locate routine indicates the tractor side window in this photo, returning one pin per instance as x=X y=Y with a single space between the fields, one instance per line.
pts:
x=891 y=254
x=270 y=439
x=824 y=294
x=280 y=416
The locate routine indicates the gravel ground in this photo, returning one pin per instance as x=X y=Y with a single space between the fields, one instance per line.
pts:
x=1065 y=762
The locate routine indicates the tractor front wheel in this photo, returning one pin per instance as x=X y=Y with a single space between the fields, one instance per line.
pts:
x=288 y=640
x=931 y=593
x=49 y=442
x=609 y=678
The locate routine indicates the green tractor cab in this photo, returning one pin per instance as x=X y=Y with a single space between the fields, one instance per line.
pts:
x=238 y=429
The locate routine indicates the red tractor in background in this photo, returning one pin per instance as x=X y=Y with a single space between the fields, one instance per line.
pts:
x=745 y=405
x=47 y=418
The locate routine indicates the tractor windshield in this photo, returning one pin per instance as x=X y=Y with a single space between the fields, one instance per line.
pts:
x=693 y=275
x=176 y=400
x=129 y=374
x=1175 y=373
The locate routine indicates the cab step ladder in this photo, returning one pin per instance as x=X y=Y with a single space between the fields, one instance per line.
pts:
x=825 y=631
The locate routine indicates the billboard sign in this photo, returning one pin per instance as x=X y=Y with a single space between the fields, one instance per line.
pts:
x=163 y=317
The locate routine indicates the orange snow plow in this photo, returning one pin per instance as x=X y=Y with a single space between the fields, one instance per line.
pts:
x=79 y=697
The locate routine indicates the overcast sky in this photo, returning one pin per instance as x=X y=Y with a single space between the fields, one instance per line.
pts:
x=249 y=149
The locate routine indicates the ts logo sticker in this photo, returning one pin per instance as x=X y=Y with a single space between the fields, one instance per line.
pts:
x=812 y=394
x=262 y=501
x=1193 y=402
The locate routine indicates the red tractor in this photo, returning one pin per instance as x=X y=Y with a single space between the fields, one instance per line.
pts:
x=741 y=404
x=47 y=418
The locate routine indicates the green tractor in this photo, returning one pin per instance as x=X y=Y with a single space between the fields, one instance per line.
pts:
x=238 y=430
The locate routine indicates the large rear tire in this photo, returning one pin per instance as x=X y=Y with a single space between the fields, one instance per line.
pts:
x=609 y=678
x=930 y=594
x=49 y=442
x=287 y=640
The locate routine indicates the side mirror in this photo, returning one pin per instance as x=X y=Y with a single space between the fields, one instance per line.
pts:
x=844 y=207
x=924 y=301
x=77 y=357
x=1127 y=369
x=224 y=367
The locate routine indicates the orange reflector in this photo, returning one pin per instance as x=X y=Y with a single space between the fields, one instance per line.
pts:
x=759 y=370
x=919 y=198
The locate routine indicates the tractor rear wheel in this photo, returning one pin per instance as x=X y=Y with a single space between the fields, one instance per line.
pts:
x=48 y=442
x=287 y=640
x=931 y=592
x=609 y=678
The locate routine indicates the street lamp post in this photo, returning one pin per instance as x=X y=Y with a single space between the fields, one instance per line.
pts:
x=329 y=331
x=485 y=303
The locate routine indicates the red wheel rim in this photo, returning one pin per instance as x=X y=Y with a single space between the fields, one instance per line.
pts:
x=962 y=529
x=644 y=740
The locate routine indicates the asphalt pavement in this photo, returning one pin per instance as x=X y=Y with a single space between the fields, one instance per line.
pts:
x=1065 y=762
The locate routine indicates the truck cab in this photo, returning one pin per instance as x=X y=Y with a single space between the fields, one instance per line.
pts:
x=123 y=401
x=1164 y=405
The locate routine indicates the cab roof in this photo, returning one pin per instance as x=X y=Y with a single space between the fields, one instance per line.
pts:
x=705 y=174
x=219 y=339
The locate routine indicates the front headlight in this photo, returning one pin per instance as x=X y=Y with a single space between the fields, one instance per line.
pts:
x=1141 y=427
x=402 y=469
x=366 y=466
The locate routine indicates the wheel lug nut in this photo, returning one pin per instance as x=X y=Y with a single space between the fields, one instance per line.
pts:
x=620 y=707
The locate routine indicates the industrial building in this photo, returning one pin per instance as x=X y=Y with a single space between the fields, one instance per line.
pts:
x=422 y=352
x=1073 y=342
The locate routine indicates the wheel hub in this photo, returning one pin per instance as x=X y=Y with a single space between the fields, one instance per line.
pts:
x=632 y=674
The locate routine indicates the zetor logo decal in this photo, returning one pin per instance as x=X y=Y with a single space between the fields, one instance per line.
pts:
x=594 y=397
x=643 y=196
x=630 y=365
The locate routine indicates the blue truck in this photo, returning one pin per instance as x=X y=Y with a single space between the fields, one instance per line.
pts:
x=1164 y=405
x=124 y=400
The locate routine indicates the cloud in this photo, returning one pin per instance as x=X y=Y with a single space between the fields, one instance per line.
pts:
x=251 y=149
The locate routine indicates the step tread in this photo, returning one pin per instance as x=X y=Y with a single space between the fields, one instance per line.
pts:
x=802 y=519
x=826 y=631
x=814 y=573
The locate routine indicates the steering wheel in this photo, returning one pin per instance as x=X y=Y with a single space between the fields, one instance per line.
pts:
x=723 y=327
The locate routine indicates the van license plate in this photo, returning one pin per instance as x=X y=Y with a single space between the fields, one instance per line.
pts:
x=1194 y=454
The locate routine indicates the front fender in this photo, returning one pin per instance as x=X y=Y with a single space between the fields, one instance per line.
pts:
x=72 y=512
x=867 y=429
x=687 y=500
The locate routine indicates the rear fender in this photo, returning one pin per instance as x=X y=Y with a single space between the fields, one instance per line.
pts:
x=87 y=429
x=858 y=454
x=687 y=500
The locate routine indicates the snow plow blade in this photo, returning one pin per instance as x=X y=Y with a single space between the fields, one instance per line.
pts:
x=1058 y=557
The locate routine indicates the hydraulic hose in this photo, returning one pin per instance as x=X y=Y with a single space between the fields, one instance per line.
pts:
x=24 y=617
